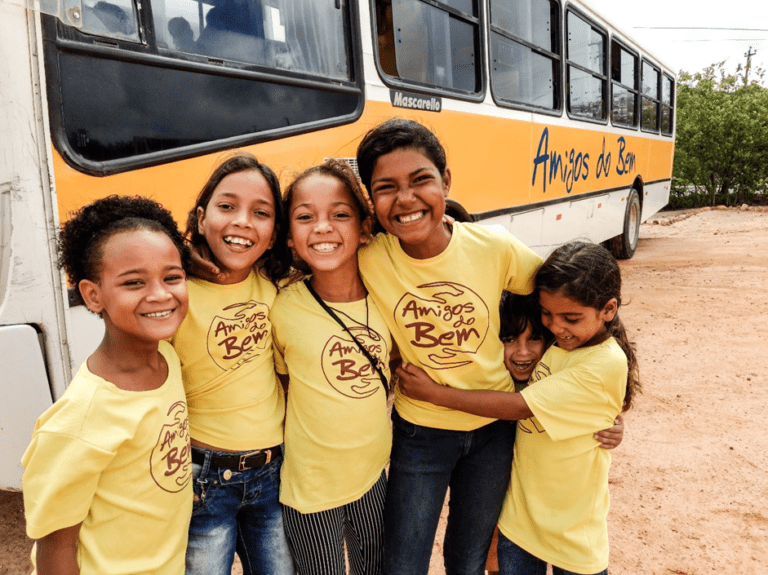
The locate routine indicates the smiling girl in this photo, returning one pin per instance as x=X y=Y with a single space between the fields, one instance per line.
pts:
x=120 y=429
x=439 y=288
x=334 y=346
x=236 y=403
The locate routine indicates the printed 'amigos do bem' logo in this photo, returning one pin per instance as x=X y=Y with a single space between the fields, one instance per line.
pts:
x=448 y=321
x=530 y=425
x=170 y=462
x=239 y=336
x=346 y=368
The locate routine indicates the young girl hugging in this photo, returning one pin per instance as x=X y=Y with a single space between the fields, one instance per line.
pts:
x=557 y=505
x=236 y=404
x=525 y=339
x=107 y=485
x=334 y=345
x=439 y=289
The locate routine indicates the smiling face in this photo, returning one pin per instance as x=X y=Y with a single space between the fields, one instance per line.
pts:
x=325 y=227
x=141 y=292
x=239 y=223
x=522 y=353
x=574 y=325
x=409 y=194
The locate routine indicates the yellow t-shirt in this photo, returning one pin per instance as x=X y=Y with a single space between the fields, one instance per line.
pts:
x=443 y=312
x=225 y=345
x=337 y=432
x=557 y=503
x=119 y=461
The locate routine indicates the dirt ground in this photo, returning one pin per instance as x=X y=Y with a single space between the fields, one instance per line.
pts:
x=689 y=485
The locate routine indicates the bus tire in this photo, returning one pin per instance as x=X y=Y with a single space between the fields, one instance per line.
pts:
x=623 y=247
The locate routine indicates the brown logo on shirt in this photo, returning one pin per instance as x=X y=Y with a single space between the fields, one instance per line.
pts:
x=530 y=425
x=447 y=320
x=240 y=335
x=169 y=462
x=346 y=368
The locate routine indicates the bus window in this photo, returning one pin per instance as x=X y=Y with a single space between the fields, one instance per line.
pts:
x=435 y=44
x=667 y=96
x=650 y=97
x=297 y=35
x=625 y=86
x=525 y=53
x=288 y=68
x=115 y=19
x=587 y=80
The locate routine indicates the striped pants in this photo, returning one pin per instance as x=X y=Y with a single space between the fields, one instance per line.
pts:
x=317 y=539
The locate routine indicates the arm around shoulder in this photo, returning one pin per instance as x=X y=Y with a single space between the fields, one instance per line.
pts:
x=416 y=384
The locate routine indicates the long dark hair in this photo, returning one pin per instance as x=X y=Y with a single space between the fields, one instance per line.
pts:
x=275 y=264
x=589 y=274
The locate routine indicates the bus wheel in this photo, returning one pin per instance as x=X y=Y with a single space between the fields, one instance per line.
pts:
x=623 y=247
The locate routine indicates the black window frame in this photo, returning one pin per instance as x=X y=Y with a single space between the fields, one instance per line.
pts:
x=671 y=107
x=605 y=76
x=656 y=100
x=399 y=83
x=636 y=90
x=61 y=39
x=558 y=57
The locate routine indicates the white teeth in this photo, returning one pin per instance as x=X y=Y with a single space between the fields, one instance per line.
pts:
x=325 y=248
x=238 y=241
x=159 y=313
x=522 y=364
x=410 y=218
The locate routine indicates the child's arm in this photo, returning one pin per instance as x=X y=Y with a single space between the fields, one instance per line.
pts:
x=57 y=552
x=416 y=384
x=611 y=438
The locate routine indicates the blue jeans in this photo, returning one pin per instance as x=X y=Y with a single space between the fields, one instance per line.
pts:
x=237 y=512
x=425 y=462
x=514 y=560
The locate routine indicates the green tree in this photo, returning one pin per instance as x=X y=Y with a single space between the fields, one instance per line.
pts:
x=722 y=136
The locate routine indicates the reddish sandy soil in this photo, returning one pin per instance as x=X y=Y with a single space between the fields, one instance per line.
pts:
x=689 y=485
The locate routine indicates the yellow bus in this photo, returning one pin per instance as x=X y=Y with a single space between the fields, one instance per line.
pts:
x=556 y=123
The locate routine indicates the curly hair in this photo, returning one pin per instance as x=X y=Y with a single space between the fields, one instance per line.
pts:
x=334 y=168
x=275 y=264
x=589 y=274
x=82 y=238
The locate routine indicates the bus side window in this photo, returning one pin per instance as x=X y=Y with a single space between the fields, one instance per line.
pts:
x=624 y=78
x=525 y=52
x=432 y=45
x=116 y=19
x=587 y=77
x=667 y=104
x=650 y=97
x=386 y=37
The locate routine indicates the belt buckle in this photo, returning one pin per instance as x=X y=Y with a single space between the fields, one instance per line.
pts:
x=244 y=456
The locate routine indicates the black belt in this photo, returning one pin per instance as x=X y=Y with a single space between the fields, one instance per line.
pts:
x=241 y=462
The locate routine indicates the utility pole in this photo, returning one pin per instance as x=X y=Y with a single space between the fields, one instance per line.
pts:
x=749 y=55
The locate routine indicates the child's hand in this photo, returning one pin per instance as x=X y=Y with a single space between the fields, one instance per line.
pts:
x=202 y=265
x=611 y=438
x=415 y=383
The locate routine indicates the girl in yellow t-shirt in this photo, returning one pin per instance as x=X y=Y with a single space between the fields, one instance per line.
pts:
x=333 y=344
x=236 y=404
x=557 y=504
x=107 y=482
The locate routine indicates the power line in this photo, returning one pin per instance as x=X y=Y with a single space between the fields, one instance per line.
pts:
x=699 y=28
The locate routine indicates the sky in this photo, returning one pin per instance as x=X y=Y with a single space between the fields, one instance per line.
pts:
x=723 y=30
